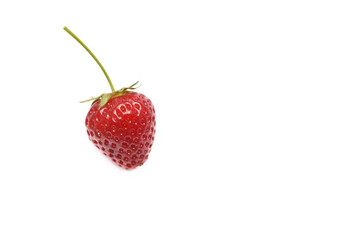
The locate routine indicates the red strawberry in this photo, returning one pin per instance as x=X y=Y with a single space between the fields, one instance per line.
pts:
x=121 y=123
x=123 y=129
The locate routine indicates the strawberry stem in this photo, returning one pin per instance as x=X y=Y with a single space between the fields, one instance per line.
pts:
x=97 y=61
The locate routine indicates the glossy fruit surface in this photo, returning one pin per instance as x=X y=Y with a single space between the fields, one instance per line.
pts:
x=123 y=129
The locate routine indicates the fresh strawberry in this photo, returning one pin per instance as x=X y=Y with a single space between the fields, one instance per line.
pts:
x=123 y=129
x=121 y=123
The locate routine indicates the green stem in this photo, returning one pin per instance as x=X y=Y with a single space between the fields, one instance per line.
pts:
x=97 y=61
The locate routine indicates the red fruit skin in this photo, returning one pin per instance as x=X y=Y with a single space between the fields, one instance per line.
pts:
x=123 y=129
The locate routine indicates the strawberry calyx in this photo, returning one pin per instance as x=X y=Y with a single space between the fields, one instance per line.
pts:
x=105 y=97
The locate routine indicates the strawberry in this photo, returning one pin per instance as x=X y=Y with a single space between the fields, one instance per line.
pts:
x=121 y=124
x=123 y=129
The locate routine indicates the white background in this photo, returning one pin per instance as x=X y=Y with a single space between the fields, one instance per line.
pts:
x=258 y=124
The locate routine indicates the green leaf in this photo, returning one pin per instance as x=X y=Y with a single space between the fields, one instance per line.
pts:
x=132 y=86
x=125 y=89
x=92 y=99
x=105 y=98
